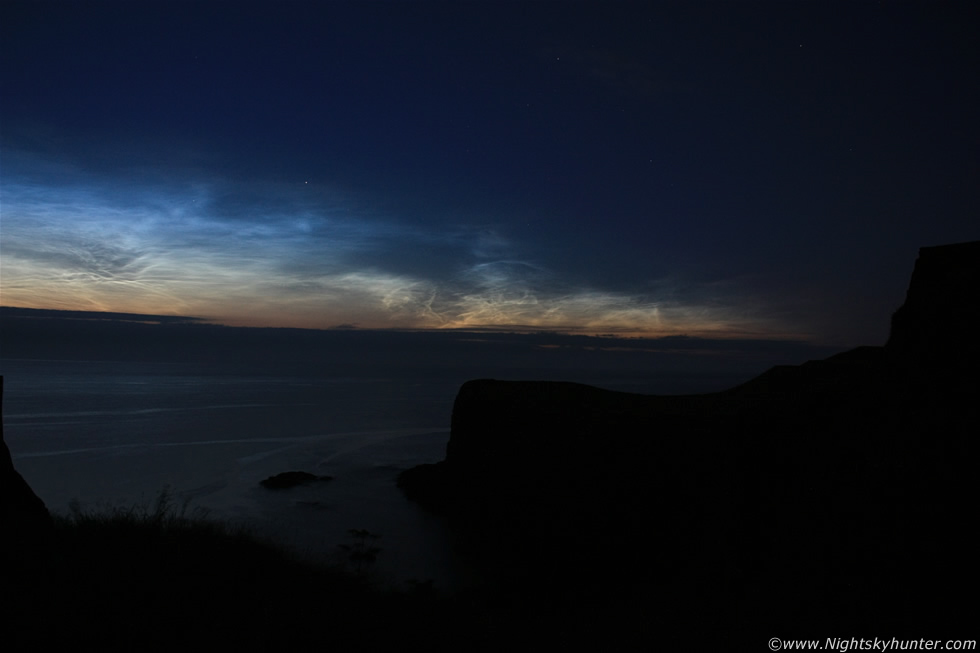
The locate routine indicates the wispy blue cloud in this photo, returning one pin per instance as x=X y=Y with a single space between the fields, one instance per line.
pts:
x=295 y=255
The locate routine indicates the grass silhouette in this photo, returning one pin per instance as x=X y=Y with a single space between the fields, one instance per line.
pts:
x=160 y=576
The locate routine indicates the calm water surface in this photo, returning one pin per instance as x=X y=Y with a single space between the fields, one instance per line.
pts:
x=118 y=433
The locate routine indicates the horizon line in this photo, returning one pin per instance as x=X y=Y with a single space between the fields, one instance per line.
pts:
x=31 y=312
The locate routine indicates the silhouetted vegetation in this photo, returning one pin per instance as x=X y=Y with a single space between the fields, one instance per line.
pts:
x=833 y=496
x=160 y=576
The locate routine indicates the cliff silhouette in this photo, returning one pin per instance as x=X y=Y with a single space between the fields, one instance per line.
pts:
x=833 y=496
x=22 y=513
x=830 y=499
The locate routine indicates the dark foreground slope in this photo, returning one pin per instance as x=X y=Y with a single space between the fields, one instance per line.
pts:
x=832 y=499
x=153 y=578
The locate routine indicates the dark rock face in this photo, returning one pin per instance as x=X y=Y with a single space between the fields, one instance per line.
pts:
x=828 y=497
x=23 y=516
x=940 y=319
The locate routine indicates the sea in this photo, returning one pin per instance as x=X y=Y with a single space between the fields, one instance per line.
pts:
x=101 y=435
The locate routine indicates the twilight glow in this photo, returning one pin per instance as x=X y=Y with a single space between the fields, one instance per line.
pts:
x=301 y=258
x=646 y=169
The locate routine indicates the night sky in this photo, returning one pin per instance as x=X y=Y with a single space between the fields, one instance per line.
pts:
x=737 y=169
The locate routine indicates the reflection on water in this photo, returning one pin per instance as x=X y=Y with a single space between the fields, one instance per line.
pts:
x=118 y=433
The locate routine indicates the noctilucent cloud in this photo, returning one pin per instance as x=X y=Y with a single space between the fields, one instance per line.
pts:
x=718 y=169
